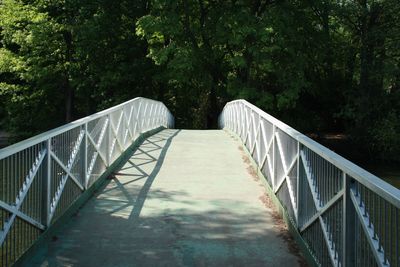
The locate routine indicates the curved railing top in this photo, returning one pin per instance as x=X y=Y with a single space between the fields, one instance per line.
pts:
x=41 y=177
x=345 y=215
x=387 y=191
x=14 y=148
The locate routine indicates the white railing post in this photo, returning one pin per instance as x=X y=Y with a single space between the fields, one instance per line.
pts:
x=298 y=185
x=273 y=157
x=108 y=139
x=348 y=238
x=85 y=156
x=138 y=122
x=47 y=184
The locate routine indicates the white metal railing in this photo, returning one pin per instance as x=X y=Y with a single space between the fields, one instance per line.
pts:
x=42 y=176
x=346 y=215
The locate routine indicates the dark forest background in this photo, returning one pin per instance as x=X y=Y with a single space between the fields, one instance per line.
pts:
x=320 y=66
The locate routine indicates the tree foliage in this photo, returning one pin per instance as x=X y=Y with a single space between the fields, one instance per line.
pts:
x=323 y=65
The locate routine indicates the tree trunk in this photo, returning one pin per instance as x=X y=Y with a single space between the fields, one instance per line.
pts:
x=69 y=95
x=69 y=92
x=367 y=50
x=327 y=34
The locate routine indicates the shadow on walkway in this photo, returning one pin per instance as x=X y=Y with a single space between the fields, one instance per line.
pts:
x=126 y=190
x=183 y=198
x=148 y=153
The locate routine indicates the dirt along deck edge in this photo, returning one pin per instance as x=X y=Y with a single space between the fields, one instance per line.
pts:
x=48 y=234
x=304 y=248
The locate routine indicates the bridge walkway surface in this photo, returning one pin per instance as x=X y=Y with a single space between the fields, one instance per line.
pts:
x=184 y=198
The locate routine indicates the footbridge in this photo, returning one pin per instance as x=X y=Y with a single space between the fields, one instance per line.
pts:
x=122 y=187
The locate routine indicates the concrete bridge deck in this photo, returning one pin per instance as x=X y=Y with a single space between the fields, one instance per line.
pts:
x=184 y=198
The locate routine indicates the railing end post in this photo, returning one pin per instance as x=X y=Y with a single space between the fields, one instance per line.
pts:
x=47 y=185
x=85 y=156
x=108 y=143
x=298 y=196
x=348 y=228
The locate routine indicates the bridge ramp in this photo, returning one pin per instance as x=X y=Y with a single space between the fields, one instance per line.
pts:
x=184 y=198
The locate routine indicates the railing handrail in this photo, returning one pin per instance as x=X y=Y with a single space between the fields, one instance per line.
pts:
x=374 y=183
x=41 y=177
x=339 y=210
x=15 y=148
